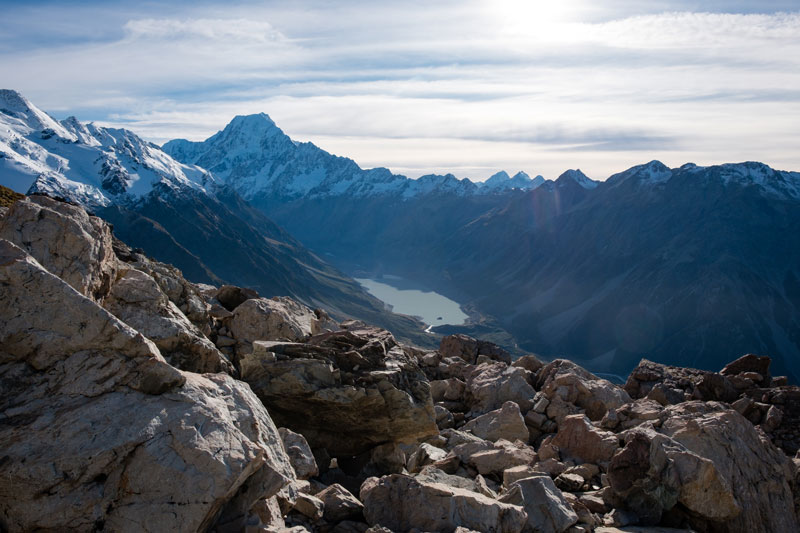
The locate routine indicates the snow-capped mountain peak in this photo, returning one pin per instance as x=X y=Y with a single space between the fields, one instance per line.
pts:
x=578 y=177
x=85 y=163
x=19 y=109
x=501 y=182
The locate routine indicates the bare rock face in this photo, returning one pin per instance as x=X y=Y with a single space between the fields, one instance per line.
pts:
x=66 y=241
x=186 y=296
x=346 y=391
x=752 y=366
x=574 y=385
x=193 y=451
x=577 y=438
x=136 y=299
x=339 y=504
x=277 y=318
x=544 y=503
x=712 y=461
x=490 y=385
x=671 y=385
x=231 y=296
x=299 y=452
x=470 y=349
x=495 y=458
x=504 y=423
x=402 y=503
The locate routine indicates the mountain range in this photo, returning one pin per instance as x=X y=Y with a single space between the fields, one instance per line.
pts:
x=177 y=213
x=689 y=266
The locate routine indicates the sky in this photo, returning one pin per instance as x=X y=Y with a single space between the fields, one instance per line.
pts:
x=469 y=87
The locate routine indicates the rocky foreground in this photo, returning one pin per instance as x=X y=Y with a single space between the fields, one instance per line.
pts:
x=134 y=400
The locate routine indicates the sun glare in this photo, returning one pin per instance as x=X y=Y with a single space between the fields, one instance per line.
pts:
x=531 y=16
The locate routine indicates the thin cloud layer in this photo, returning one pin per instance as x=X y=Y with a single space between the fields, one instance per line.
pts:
x=468 y=87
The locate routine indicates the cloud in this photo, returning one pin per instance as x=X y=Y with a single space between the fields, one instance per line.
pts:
x=208 y=29
x=421 y=85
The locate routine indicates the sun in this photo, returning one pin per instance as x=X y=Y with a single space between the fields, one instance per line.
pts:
x=531 y=16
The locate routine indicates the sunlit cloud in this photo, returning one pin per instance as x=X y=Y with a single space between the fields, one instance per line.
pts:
x=211 y=29
x=469 y=87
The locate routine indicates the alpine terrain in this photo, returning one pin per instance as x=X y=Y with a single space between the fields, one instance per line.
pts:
x=686 y=266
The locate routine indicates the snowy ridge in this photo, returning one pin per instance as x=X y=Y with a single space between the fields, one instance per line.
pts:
x=775 y=183
x=578 y=177
x=259 y=160
x=88 y=164
x=501 y=182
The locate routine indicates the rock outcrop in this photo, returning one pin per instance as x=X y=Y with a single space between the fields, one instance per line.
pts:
x=136 y=299
x=101 y=432
x=134 y=400
x=345 y=391
x=67 y=241
x=402 y=503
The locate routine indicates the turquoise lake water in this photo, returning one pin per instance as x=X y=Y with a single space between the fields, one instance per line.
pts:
x=433 y=308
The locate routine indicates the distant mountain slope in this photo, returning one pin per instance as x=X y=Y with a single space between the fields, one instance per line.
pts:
x=175 y=212
x=266 y=167
x=689 y=266
x=685 y=266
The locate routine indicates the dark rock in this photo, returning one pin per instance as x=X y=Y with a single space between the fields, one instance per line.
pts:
x=231 y=296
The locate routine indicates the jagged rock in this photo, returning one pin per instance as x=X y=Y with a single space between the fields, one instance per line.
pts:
x=585 y=516
x=402 y=503
x=558 y=410
x=650 y=474
x=424 y=455
x=68 y=376
x=444 y=418
x=578 y=439
x=66 y=241
x=469 y=349
x=515 y=473
x=267 y=515
x=593 y=502
x=451 y=389
x=456 y=437
x=757 y=368
x=587 y=471
x=676 y=384
x=432 y=474
x=569 y=382
x=36 y=330
x=495 y=458
x=547 y=510
x=540 y=403
x=388 y=458
x=490 y=385
x=278 y=318
x=230 y=296
x=529 y=362
x=482 y=487
x=136 y=299
x=339 y=503
x=185 y=295
x=346 y=391
x=635 y=413
x=772 y=419
x=712 y=461
x=309 y=506
x=569 y=482
x=504 y=423
x=299 y=452
x=551 y=467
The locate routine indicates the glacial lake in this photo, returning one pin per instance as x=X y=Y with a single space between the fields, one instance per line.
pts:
x=433 y=308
